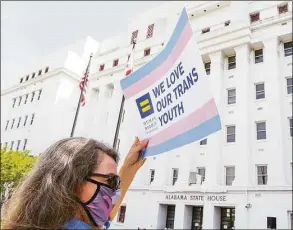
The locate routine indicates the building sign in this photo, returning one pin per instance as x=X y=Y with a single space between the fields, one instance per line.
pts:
x=209 y=198
x=169 y=96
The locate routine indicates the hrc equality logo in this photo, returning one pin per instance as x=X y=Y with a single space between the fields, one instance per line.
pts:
x=145 y=106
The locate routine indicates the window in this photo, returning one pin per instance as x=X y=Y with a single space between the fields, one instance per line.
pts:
x=232 y=62
x=147 y=52
x=289 y=85
x=207 y=67
x=288 y=48
x=170 y=216
x=227 y=23
x=271 y=223
x=290 y=126
x=115 y=62
x=13 y=104
x=33 y=95
x=203 y=142
x=283 y=8
x=202 y=172
x=11 y=145
x=40 y=92
x=21 y=79
x=206 y=30
x=121 y=215
x=102 y=66
x=260 y=91
x=261 y=130
x=152 y=175
x=7 y=123
x=25 y=120
x=150 y=31
x=134 y=36
x=258 y=56
x=6 y=144
x=47 y=69
x=18 y=144
x=231 y=96
x=262 y=175
x=33 y=117
x=254 y=17
x=13 y=120
x=231 y=134
x=19 y=101
x=19 y=119
x=230 y=175
x=192 y=178
x=26 y=97
x=40 y=72
x=33 y=75
x=24 y=144
x=27 y=77
x=227 y=218
x=174 y=176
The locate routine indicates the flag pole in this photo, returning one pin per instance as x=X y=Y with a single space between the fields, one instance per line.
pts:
x=121 y=108
x=81 y=92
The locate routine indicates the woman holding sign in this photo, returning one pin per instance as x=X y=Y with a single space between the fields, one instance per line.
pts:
x=74 y=185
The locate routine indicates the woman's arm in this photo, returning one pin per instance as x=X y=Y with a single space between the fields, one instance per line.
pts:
x=132 y=164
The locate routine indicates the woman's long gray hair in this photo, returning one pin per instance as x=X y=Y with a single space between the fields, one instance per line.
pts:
x=47 y=198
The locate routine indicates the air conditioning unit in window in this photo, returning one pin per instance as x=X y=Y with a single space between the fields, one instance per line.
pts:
x=195 y=178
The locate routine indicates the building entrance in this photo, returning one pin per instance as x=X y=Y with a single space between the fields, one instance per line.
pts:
x=197 y=214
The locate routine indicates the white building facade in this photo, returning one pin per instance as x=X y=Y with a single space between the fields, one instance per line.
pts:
x=240 y=177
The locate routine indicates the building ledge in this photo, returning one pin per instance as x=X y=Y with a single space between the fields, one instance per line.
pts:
x=21 y=86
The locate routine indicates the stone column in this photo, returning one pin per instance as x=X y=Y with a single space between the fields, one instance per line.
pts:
x=215 y=141
x=179 y=215
x=242 y=112
x=275 y=118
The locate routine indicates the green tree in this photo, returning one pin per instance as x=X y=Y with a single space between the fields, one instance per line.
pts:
x=14 y=166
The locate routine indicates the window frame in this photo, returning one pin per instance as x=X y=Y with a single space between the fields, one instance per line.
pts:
x=27 y=77
x=260 y=92
x=24 y=144
x=152 y=175
x=205 y=30
x=258 y=58
x=259 y=131
x=252 y=15
x=47 y=69
x=230 y=134
x=290 y=126
x=25 y=120
x=7 y=124
x=230 y=98
x=11 y=145
x=19 y=101
x=115 y=62
x=13 y=121
x=25 y=100
x=203 y=142
x=289 y=48
x=102 y=67
x=32 y=119
x=175 y=177
x=39 y=96
x=33 y=75
x=150 y=31
x=40 y=72
x=14 y=101
x=286 y=7
x=147 y=52
x=134 y=36
x=231 y=64
x=207 y=66
x=289 y=86
x=261 y=175
x=33 y=95
x=18 y=144
x=21 y=80
x=18 y=124
x=229 y=176
x=202 y=172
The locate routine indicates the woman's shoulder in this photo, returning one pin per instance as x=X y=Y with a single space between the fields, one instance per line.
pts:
x=76 y=224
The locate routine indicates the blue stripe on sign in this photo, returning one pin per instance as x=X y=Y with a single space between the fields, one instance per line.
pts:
x=203 y=130
x=161 y=58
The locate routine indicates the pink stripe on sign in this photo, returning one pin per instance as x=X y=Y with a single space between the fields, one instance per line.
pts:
x=161 y=71
x=204 y=113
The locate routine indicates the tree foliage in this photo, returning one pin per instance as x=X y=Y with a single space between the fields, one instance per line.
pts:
x=14 y=166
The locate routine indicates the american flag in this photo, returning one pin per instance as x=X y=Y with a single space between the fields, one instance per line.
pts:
x=83 y=87
x=130 y=62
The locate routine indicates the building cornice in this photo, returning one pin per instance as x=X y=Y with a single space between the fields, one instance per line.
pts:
x=40 y=78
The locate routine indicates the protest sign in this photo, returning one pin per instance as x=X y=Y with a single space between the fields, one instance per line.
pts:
x=173 y=104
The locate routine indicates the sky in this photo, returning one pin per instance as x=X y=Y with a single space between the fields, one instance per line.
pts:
x=31 y=30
